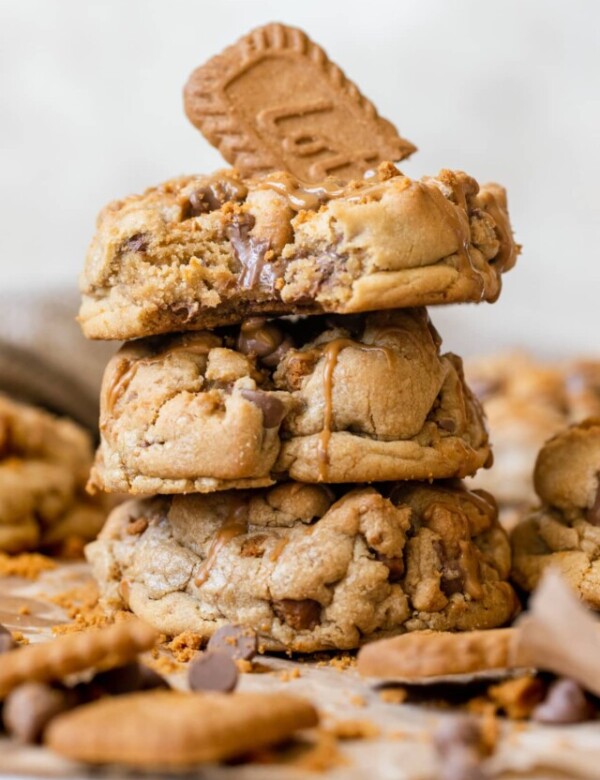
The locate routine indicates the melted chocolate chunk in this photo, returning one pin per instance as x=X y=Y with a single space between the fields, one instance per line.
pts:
x=250 y=253
x=263 y=340
x=302 y=615
x=213 y=671
x=214 y=196
x=272 y=408
x=136 y=243
x=239 y=642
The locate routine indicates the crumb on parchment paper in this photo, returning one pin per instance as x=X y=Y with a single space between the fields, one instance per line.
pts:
x=26 y=565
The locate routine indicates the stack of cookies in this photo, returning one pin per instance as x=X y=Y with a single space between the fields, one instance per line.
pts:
x=285 y=412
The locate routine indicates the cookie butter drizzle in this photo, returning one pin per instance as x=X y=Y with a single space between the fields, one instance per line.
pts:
x=332 y=351
x=235 y=525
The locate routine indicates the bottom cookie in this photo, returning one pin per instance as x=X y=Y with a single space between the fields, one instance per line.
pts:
x=308 y=569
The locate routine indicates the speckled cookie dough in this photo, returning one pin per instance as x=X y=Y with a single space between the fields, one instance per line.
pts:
x=332 y=399
x=307 y=569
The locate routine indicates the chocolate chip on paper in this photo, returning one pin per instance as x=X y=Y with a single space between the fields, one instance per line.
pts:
x=566 y=702
x=213 y=671
x=29 y=708
x=239 y=642
x=6 y=641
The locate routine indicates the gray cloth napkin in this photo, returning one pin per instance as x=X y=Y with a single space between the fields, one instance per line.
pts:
x=45 y=360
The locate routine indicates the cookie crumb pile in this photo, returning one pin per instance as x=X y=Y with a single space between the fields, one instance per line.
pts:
x=286 y=414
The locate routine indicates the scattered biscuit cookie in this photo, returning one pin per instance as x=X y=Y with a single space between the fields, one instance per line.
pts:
x=305 y=570
x=48 y=661
x=170 y=729
x=336 y=399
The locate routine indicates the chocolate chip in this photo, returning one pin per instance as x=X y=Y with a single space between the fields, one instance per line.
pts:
x=120 y=679
x=565 y=702
x=239 y=642
x=593 y=513
x=6 y=641
x=213 y=671
x=272 y=408
x=264 y=340
x=395 y=565
x=150 y=679
x=29 y=708
x=460 y=747
x=301 y=615
x=136 y=243
x=447 y=424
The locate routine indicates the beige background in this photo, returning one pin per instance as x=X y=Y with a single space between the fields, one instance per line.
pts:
x=91 y=110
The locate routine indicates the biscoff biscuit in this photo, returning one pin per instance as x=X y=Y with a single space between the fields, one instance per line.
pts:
x=274 y=101
x=104 y=648
x=438 y=653
x=170 y=729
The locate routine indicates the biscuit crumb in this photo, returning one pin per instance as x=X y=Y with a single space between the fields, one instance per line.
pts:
x=244 y=666
x=323 y=754
x=24 y=610
x=185 y=646
x=354 y=729
x=289 y=674
x=27 y=565
x=393 y=695
x=357 y=700
x=20 y=638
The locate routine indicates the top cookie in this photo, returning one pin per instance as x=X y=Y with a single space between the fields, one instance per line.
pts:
x=203 y=251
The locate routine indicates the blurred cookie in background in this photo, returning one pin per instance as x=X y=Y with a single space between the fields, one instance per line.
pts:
x=44 y=465
x=527 y=401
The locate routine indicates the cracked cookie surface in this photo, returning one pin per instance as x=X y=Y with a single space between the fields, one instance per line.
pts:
x=203 y=251
x=331 y=399
x=306 y=569
x=565 y=531
x=44 y=464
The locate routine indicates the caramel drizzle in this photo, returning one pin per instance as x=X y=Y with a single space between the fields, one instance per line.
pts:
x=332 y=351
x=455 y=216
x=236 y=525
x=303 y=197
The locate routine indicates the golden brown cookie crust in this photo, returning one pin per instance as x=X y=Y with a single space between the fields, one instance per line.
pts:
x=199 y=252
x=355 y=400
x=44 y=465
x=306 y=571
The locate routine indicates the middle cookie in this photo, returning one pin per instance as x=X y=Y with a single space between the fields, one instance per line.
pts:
x=326 y=399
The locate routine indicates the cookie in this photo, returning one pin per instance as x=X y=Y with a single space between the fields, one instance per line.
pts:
x=171 y=729
x=565 y=531
x=203 y=251
x=274 y=101
x=49 y=661
x=360 y=399
x=44 y=465
x=426 y=654
x=526 y=402
x=306 y=570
